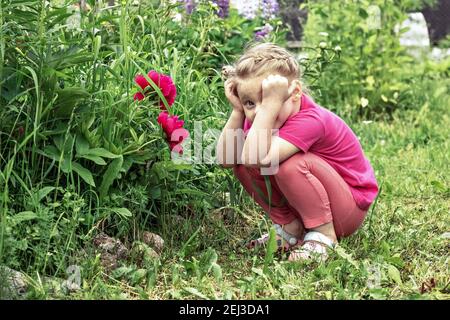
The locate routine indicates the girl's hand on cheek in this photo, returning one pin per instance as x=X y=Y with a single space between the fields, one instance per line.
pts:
x=275 y=91
x=231 y=94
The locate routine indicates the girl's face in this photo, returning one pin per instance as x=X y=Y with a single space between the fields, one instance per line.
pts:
x=249 y=92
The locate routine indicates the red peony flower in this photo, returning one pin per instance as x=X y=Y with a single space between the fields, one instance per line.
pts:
x=164 y=83
x=173 y=128
x=138 y=96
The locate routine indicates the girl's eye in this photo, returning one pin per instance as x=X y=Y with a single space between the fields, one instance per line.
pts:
x=249 y=104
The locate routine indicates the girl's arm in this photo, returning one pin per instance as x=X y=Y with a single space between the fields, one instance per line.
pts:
x=280 y=150
x=229 y=146
x=259 y=138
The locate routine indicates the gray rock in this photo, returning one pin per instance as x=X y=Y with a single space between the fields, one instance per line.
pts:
x=153 y=240
x=111 y=250
x=13 y=283
x=110 y=245
x=142 y=254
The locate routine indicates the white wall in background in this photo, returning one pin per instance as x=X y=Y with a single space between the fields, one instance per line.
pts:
x=417 y=39
x=417 y=35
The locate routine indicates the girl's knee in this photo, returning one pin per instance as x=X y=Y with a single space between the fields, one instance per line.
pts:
x=293 y=165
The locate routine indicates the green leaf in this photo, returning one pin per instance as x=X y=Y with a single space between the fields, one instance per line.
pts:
x=127 y=163
x=68 y=99
x=123 y=212
x=84 y=173
x=121 y=272
x=88 y=122
x=64 y=144
x=195 y=292
x=190 y=191
x=208 y=260
x=396 y=261
x=51 y=152
x=42 y=193
x=82 y=145
x=217 y=271
x=133 y=134
x=59 y=142
x=258 y=271
x=110 y=175
x=96 y=159
x=101 y=152
x=438 y=185
x=271 y=248
x=163 y=168
x=378 y=293
x=363 y=13
x=155 y=193
x=394 y=274
x=97 y=44
x=341 y=252
x=137 y=276
x=322 y=13
x=23 y=216
x=65 y=166
x=269 y=190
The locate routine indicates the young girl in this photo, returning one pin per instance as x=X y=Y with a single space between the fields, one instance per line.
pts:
x=324 y=184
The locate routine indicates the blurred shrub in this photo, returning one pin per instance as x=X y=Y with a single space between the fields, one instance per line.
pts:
x=374 y=75
x=71 y=132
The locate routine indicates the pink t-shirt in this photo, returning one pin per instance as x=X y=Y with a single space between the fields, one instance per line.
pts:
x=320 y=131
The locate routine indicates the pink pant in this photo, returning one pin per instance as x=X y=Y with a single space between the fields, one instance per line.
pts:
x=306 y=187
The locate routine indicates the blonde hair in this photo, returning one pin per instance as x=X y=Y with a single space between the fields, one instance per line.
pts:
x=261 y=58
